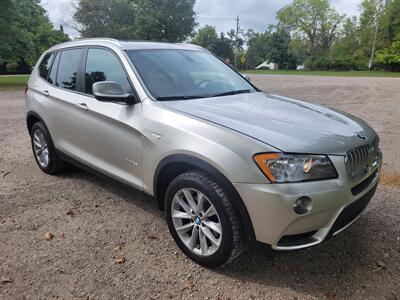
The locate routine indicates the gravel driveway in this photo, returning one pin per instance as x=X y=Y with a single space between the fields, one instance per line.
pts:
x=79 y=236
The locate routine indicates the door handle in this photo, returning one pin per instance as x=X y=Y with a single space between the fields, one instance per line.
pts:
x=46 y=93
x=82 y=106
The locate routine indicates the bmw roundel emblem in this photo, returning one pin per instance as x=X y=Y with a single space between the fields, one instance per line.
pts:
x=361 y=135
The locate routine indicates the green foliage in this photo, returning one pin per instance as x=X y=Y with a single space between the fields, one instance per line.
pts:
x=274 y=45
x=336 y=63
x=314 y=19
x=279 y=51
x=208 y=38
x=390 y=22
x=389 y=58
x=114 y=19
x=223 y=48
x=161 y=20
x=371 y=12
x=257 y=49
x=164 y=20
x=324 y=40
x=345 y=53
x=25 y=33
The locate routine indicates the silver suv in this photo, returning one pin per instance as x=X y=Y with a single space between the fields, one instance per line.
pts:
x=230 y=165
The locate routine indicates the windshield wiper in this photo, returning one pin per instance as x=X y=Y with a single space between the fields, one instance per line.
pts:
x=166 y=98
x=232 y=93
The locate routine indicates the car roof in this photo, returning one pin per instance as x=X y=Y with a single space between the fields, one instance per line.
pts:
x=127 y=45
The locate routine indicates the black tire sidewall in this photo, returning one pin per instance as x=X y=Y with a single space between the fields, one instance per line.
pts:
x=224 y=252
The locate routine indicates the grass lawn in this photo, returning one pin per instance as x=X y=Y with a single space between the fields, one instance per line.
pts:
x=327 y=73
x=12 y=82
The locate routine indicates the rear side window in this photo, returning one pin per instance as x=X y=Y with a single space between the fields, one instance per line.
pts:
x=45 y=65
x=68 y=69
x=102 y=65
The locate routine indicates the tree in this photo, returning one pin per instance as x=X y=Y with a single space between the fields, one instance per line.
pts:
x=223 y=48
x=389 y=58
x=278 y=50
x=26 y=32
x=314 y=19
x=257 y=48
x=7 y=31
x=164 y=20
x=348 y=43
x=206 y=37
x=391 y=21
x=161 y=20
x=114 y=19
x=275 y=45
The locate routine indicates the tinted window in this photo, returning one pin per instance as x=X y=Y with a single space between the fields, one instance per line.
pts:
x=102 y=65
x=68 y=69
x=45 y=65
x=53 y=71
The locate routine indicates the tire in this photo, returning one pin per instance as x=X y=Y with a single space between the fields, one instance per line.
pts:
x=53 y=164
x=199 y=184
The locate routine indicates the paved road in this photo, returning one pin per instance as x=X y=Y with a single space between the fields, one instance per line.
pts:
x=89 y=217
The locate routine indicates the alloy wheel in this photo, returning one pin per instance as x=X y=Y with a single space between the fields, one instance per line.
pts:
x=196 y=221
x=40 y=148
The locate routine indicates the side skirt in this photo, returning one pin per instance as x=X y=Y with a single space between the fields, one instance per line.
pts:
x=98 y=173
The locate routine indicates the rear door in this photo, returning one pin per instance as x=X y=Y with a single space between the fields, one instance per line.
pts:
x=61 y=95
x=109 y=138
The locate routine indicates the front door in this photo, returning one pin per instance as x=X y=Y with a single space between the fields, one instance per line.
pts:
x=109 y=136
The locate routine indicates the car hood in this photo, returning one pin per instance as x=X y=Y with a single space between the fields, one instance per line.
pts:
x=286 y=124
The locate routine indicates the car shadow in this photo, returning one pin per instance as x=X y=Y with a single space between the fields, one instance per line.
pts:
x=130 y=194
x=320 y=271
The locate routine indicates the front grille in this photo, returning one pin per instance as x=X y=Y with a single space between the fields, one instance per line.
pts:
x=361 y=159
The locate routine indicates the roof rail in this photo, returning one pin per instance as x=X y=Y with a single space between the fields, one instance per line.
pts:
x=191 y=45
x=111 y=40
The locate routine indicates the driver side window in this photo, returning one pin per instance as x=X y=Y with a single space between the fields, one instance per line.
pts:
x=102 y=65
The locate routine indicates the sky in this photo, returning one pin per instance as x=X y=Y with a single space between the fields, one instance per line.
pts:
x=255 y=14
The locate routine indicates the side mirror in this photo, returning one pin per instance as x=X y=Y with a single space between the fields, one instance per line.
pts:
x=110 y=91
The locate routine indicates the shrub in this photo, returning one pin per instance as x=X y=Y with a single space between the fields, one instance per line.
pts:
x=336 y=63
x=389 y=58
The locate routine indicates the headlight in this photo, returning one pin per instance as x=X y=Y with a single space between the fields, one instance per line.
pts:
x=280 y=168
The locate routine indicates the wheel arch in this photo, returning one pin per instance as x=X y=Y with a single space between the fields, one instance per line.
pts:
x=176 y=164
x=31 y=118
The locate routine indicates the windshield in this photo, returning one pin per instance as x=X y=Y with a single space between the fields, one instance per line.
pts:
x=186 y=74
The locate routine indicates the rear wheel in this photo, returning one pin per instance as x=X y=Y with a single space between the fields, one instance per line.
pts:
x=202 y=220
x=44 y=151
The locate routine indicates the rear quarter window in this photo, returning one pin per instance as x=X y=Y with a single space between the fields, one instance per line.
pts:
x=45 y=65
x=53 y=72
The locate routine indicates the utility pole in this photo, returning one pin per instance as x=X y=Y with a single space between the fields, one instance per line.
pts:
x=237 y=41
x=371 y=61
x=379 y=9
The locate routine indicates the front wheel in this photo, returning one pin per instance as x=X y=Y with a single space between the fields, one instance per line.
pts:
x=202 y=220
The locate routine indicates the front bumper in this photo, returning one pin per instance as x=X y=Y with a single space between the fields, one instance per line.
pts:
x=337 y=203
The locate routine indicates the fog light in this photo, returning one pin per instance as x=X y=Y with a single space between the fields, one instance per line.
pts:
x=302 y=205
